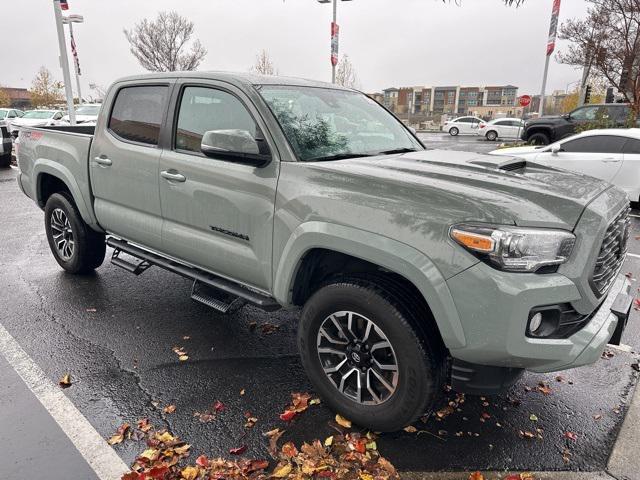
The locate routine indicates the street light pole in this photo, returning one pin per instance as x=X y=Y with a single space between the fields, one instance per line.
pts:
x=64 y=61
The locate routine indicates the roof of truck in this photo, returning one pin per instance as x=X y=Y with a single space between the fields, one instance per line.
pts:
x=243 y=78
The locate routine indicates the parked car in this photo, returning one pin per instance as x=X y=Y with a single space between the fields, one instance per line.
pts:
x=86 y=113
x=462 y=126
x=503 y=128
x=283 y=192
x=5 y=148
x=36 y=118
x=7 y=115
x=546 y=130
x=612 y=155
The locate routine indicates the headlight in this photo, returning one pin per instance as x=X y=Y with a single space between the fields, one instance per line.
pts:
x=515 y=249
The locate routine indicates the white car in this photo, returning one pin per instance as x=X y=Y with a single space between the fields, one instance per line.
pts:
x=7 y=115
x=86 y=113
x=504 y=128
x=37 y=118
x=612 y=155
x=462 y=126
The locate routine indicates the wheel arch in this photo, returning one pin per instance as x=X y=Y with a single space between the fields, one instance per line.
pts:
x=546 y=130
x=313 y=242
x=52 y=177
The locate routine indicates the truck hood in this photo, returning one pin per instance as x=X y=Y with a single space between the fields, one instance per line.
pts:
x=477 y=187
x=550 y=120
x=517 y=151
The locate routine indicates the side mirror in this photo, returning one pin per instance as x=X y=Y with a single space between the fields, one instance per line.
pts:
x=567 y=116
x=236 y=146
x=556 y=149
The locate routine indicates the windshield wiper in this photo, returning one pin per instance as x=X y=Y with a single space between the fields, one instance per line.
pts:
x=339 y=156
x=398 y=150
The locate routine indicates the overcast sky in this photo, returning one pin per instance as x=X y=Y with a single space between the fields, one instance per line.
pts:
x=390 y=42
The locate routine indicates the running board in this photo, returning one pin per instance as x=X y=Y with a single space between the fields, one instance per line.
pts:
x=210 y=280
x=215 y=298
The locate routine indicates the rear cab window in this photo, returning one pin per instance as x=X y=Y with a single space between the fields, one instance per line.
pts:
x=595 y=144
x=138 y=112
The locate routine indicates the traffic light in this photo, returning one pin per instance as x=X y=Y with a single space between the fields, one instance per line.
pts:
x=587 y=94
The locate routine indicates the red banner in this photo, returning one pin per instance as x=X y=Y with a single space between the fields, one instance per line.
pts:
x=553 y=28
x=335 y=41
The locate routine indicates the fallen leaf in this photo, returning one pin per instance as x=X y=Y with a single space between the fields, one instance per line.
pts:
x=238 y=450
x=218 y=406
x=328 y=441
x=527 y=434
x=315 y=401
x=289 y=450
x=365 y=476
x=169 y=409
x=273 y=436
x=190 y=473
x=164 y=437
x=202 y=461
x=144 y=425
x=476 y=476
x=91 y=310
x=343 y=422
x=242 y=392
x=186 y=337
x=597 y=417
x=268 y=328
x=287 y=416
x=410 y=429
x=282 y=470
x=118 y=437
x=544 y=389
x=533 y=418
x=65 y=381
x=571 y=436
x=183 y=358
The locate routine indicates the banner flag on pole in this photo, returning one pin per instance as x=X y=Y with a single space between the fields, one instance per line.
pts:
x=335 y=39
x=64 y=5
x=553 y=28
x=74 y=52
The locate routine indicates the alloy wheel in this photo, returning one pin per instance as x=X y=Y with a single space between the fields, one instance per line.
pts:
x=62 y=234
x=358 y=358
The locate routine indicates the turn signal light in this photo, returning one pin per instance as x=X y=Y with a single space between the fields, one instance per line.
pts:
x=474 y=241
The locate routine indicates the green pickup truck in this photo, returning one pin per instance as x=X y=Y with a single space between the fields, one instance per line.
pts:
x=413 y=268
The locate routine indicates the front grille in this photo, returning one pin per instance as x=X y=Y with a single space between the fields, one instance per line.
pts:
x=612 y=253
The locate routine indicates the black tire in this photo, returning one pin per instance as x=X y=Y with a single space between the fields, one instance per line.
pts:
x=89 y=246
x=420 y=357
x=454 y=131
x=539 y=139
x=5 y=161
x=492 y=135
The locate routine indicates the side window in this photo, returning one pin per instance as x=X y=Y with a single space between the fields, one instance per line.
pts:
x=464 y=120
x=586 y=113
x=57 y=116
x=595 y=144
x=516 y=123
x=12 y=114
x=632 y=146
x=137 y=113
x=503 y=123
x=203 y=109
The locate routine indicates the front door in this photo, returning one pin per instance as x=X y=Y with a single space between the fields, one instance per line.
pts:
x=598 y=156
x=218 y=214
x=124 y=164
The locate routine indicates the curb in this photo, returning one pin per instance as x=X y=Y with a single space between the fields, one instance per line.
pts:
x=623 y=464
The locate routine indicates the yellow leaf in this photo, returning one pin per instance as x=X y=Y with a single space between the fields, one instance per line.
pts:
x=169 y=409
x=65 y=381
x=410 y=429
x=372 y=446
x=114 y=440
x=150 y=454
x=476 y=476
x=190 y=473
x=343 y=421
x=242 y=392
x=165 y=437
x=314 y=401
x=365 y=476
x=328 y=441
x=282 y=470
x=183 y=358
x=182 y=450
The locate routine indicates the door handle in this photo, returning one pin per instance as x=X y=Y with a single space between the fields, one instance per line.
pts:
x=104 y=161
x=173 y=176
x=610 y=160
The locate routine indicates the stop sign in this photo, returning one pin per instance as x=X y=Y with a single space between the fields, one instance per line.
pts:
x=525 y=100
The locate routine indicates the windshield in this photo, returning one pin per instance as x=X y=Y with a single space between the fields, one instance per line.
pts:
x=328 y=124
x=38 y=114
x=88 y=110
x=3 y=112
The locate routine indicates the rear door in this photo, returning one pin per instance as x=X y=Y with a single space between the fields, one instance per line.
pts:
x=218 y=214
x=124 y=162
x=598 y=156
x=628 y=177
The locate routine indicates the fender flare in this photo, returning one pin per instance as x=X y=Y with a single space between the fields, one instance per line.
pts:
x=390 y=254
x=55 y=169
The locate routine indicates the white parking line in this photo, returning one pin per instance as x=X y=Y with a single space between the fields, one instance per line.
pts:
x=634 y=215
x=634 y=255
x=101 y=458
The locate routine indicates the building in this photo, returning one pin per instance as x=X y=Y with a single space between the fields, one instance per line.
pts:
x=424 y=101
x=18 y=98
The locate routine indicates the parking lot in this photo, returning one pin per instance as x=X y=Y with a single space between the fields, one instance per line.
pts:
x=115 y=334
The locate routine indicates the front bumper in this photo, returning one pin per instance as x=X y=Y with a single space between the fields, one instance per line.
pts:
x=494 y=309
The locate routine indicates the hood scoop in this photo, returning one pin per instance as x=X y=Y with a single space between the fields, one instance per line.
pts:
x=511 y=165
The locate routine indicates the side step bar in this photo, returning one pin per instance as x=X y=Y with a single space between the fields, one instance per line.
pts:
x=198 y=276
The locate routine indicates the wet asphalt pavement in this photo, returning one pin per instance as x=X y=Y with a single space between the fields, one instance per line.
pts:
x=114 y=333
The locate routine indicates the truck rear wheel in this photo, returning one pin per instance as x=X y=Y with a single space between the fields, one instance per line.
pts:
x=539 y=139
x=77 y=248
x=366 y=357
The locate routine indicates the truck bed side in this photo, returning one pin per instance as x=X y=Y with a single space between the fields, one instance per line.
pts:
x=50 y=155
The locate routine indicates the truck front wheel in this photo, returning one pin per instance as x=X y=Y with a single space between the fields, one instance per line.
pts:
x=77 y=248
x=366 y=358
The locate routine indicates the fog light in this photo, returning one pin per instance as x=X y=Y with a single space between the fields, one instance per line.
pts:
x=535 y=323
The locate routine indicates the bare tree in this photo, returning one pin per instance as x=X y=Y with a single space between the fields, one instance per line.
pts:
x=346 y=73
x=45 y=90
x=608 y=42
x=264 y=64
x=162 y=45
